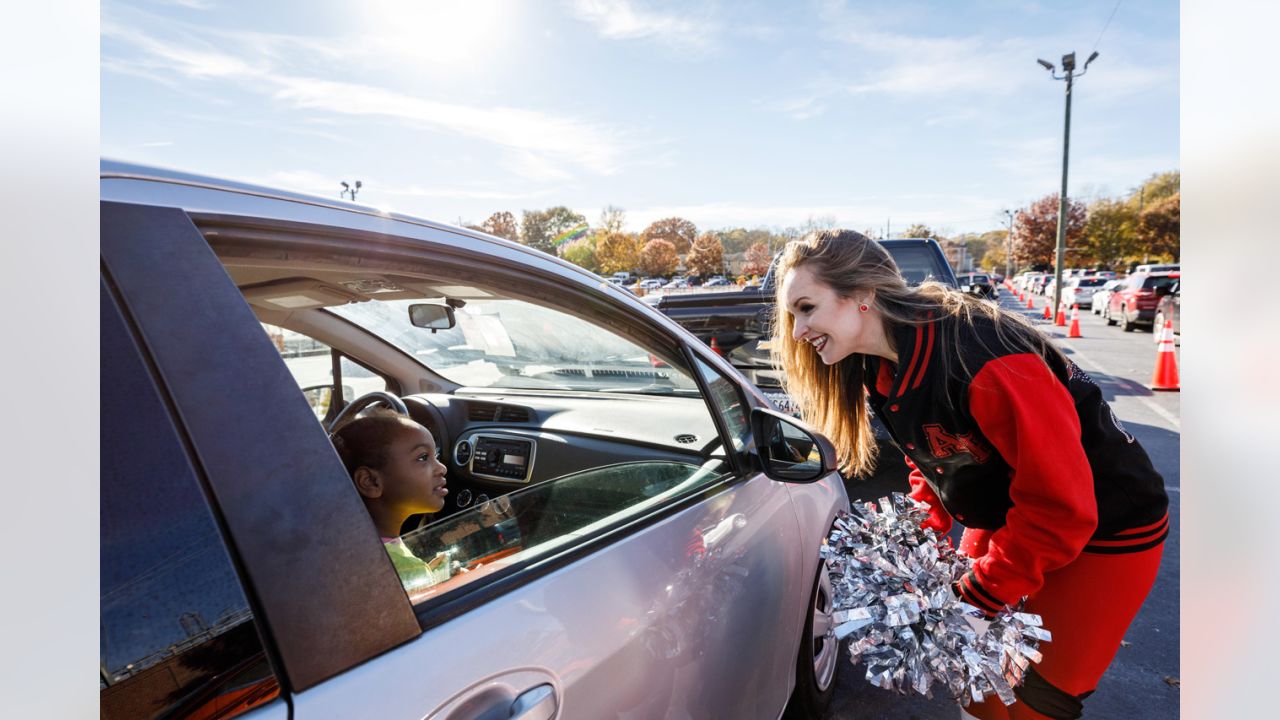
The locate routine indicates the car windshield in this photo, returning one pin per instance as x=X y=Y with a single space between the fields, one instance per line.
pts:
x=1091 y=282
x=505 y=343
x=979 y=279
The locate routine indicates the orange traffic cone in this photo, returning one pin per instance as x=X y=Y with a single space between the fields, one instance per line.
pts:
x=1061 y=318
x=1030 y=305
x=1074 y=332
x=1047 y=315
x=715 y=347
x=1165 y=376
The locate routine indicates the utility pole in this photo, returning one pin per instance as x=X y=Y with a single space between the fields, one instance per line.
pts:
x=1068 y=67
x=1008 y=254
x=349 y=190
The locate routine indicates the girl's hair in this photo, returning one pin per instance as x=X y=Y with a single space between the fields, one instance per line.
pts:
x=364 y=441
x=833 y=397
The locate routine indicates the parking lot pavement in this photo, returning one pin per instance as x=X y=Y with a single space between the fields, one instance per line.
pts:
x=1142 y=682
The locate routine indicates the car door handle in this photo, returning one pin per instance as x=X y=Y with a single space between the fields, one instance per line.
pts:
x=538 y=703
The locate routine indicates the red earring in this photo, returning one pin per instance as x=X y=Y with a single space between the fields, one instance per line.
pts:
x=864 y=307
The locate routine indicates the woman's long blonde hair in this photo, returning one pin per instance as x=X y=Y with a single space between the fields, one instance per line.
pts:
x=833 y=397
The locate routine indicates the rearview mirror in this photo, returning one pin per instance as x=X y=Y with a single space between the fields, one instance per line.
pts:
x=432 y=317
x=788 y=450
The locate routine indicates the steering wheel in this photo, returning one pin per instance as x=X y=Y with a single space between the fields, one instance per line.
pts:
x=376 y=397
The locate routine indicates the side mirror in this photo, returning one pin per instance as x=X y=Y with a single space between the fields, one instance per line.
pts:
x=788 y=450
x=432 y=317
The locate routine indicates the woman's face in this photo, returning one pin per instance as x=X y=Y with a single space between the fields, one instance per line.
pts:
x=833 y=326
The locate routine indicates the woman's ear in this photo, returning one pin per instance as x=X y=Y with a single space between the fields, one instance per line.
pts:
x=368 y=484
x=868 y=297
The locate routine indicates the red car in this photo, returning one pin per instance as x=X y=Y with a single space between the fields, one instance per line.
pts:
x=1134 y=303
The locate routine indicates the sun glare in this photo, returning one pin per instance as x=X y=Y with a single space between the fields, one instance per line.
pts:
x=441 y=32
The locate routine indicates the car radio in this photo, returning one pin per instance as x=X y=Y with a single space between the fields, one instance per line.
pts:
x=502 y=457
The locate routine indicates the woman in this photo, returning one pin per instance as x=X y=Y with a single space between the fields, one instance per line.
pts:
x=1001 y=432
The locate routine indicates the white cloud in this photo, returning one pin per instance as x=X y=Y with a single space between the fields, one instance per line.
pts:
x=542 y=143
x=624 y=20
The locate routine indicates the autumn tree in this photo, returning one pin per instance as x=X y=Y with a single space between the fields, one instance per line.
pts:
x=617 y=252
x=658 y=257
x=757 y=259
x=539 y=228
x=582 y=252
x=918 y=230
x=706 y=256
x=1156 y=188
x=612 y=219
x=1158 y=227
x=677 y=231
x=1110 y=233
x=501 y=224
x=1035 y=230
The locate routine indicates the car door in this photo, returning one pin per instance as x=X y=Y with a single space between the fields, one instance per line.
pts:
x=690 y=608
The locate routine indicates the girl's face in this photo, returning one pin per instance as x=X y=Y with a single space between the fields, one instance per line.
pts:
x=834 y=326
x=413 y=479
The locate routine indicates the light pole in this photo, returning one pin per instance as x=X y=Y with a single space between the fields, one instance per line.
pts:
x=349 y=190
x=1068 y=67
x=1008 y=253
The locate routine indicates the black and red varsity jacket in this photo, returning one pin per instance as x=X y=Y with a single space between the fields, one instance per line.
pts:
x=1027 y=455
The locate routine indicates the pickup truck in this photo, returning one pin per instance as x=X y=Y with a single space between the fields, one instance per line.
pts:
x=737 y=323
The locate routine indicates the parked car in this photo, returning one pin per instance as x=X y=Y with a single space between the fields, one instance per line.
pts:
x=979 y=284
x=651 y=283
x=1080 y=290
x=717 y=281
x=1169 y=308
x=1134 y=303
x=633 y=531
x=1101 y=296
x=677 y=283
x=1154 y=268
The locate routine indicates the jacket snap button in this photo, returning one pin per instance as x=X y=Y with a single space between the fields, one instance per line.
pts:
x=939 y=470
x=911 y=446
x=893 y=408
x=960 y=518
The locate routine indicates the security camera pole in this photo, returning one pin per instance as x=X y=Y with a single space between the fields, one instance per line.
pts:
x=1008 y=254
x=348 y=190
x=1068 y=67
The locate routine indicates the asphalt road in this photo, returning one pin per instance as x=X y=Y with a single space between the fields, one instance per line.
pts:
x=1142 y=681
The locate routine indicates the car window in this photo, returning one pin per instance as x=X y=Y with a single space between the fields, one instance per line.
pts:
x=1162 y=281
x=311 y=364
x=917 y=264
x=728 y=402
x=1090 y=282
x=176 y=635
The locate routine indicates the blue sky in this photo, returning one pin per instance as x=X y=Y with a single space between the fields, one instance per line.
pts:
x=726 y=113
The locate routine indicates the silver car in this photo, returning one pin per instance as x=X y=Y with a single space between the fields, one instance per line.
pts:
x=1101 y=297
x=629 y=530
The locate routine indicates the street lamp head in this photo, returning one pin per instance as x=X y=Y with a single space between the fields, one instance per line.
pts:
x=1047 y=65
x=1092 y=57
x=1069 y=62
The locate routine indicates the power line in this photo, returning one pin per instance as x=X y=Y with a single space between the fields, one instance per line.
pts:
x=1107 y=24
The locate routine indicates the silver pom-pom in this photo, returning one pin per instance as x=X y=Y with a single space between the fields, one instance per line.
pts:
x=891 y=581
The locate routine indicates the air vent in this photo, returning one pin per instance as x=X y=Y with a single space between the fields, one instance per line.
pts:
x=686 y=438
x=513 y=414
x=462 y=453
x=481 y=412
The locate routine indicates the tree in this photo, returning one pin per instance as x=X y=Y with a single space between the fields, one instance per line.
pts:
x=1035 y=230
x=1110 y=233
x=539 y=228
x=658 y=257
x=1156 y=188
x=677 y=231
x=617 y=252
x=582 y=252
x=612 y=219
x=706 y=256
x=1158 y=227
x=501 y=224
x=918 y=230
x=757 y=260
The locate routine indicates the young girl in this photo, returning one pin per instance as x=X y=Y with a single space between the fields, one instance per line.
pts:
x=1002 y=433
x=392 y=461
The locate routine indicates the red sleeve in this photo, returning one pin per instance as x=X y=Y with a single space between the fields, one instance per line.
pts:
x=939 y=518
x=1027 y=413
